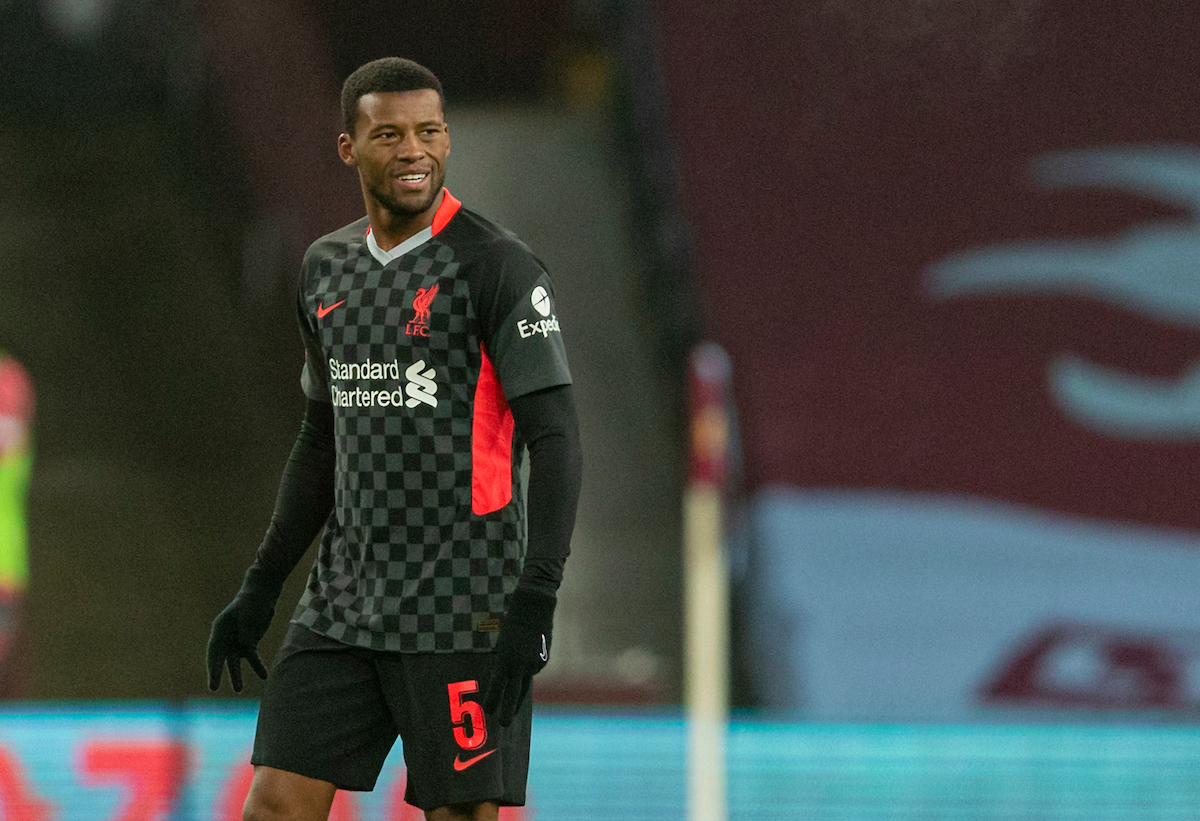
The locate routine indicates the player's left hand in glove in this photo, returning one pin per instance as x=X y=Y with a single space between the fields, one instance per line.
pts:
x=522 y=650
x=237 y=631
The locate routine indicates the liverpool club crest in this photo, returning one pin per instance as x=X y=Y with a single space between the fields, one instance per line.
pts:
x=419 y=324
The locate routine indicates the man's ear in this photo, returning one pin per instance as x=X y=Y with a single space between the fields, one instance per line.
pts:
x=345 y=147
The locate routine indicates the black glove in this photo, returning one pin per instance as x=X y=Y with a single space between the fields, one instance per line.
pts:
x=238 y=629
x=522 y=650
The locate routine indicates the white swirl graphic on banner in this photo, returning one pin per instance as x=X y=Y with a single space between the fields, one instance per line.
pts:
x=1152 y=269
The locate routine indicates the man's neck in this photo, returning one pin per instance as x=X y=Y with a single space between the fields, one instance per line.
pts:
x=391 y=229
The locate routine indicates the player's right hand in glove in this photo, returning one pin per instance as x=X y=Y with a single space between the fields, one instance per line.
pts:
x=238 y=629
x=522 y=650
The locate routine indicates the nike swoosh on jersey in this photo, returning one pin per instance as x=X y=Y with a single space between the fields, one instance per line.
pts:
x=322 y=311
x=462 y=765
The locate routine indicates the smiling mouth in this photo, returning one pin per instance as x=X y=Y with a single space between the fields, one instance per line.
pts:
x=412 y=179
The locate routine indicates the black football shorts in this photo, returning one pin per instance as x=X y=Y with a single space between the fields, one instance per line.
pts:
x=332 y=712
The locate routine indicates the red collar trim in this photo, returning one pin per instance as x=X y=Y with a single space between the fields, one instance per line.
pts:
x=448 y=208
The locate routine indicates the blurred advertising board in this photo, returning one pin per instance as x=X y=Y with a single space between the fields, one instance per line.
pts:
x=100 y=762
x=902 y=607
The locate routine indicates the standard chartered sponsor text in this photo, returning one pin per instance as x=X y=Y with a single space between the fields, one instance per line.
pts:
x=364 y=370
x=420 y=389
x=358 y=398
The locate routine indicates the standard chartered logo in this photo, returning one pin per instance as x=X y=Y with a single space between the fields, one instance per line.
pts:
x=420 y=388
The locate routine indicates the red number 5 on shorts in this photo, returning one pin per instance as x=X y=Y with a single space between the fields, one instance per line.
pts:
x=472 y=734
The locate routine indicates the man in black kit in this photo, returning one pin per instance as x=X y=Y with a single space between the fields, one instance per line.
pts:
x=433 y=358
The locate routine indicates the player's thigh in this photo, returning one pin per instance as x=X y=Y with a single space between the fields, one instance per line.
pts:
x=278 y=795
x=456 y=756
x=483 y=811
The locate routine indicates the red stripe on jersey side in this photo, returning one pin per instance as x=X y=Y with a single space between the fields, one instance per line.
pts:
x=448 y=208
x=491 y=443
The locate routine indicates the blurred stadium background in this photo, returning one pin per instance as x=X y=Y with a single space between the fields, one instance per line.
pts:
x=950 y=246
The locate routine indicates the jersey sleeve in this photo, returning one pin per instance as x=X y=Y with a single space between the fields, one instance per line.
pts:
x=522 y=334
x=314 y=378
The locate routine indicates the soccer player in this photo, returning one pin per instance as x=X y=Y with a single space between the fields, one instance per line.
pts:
x=433 y=359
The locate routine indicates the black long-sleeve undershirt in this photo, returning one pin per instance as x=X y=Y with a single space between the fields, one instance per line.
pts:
x=304 y=501
x=544 y=420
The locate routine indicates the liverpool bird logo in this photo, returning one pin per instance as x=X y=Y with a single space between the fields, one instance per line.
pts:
x=419 y=325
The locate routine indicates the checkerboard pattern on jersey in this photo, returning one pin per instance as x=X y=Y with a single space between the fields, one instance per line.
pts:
x=401 y=565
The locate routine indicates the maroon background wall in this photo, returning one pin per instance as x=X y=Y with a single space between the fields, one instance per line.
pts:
x=830 y=152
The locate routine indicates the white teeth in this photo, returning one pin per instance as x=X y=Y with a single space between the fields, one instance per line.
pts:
x=412 y=177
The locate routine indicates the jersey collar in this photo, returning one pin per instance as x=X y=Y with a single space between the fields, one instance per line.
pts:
x=448 y=208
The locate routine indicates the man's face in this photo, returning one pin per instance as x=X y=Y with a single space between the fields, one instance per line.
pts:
x=400 y=145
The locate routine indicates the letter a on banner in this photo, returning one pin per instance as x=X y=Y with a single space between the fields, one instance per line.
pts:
x=153 y=772
x=17 y=801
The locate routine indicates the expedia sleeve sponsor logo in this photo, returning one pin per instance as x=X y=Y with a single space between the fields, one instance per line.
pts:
x=420 y=386
x=539 y=298
x=543 y=326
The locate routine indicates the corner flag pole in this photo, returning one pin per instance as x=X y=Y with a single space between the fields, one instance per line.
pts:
x=706 y=584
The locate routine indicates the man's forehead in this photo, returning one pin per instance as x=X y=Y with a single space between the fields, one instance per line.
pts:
x=383 y=106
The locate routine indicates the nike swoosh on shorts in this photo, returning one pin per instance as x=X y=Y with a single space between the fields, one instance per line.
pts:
x=462 y=765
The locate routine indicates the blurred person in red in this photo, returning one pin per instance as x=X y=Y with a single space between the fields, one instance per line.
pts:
x=16 y=458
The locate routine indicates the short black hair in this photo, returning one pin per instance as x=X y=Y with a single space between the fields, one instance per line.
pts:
x=381 y=76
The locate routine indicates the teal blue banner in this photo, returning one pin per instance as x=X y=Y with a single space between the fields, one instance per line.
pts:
x=103 y=762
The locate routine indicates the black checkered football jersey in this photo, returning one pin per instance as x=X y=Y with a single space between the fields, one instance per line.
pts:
x=419 y=357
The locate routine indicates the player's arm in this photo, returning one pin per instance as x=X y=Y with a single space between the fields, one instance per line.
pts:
x=547 y=422
x=522 y=336
x=302 y=506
